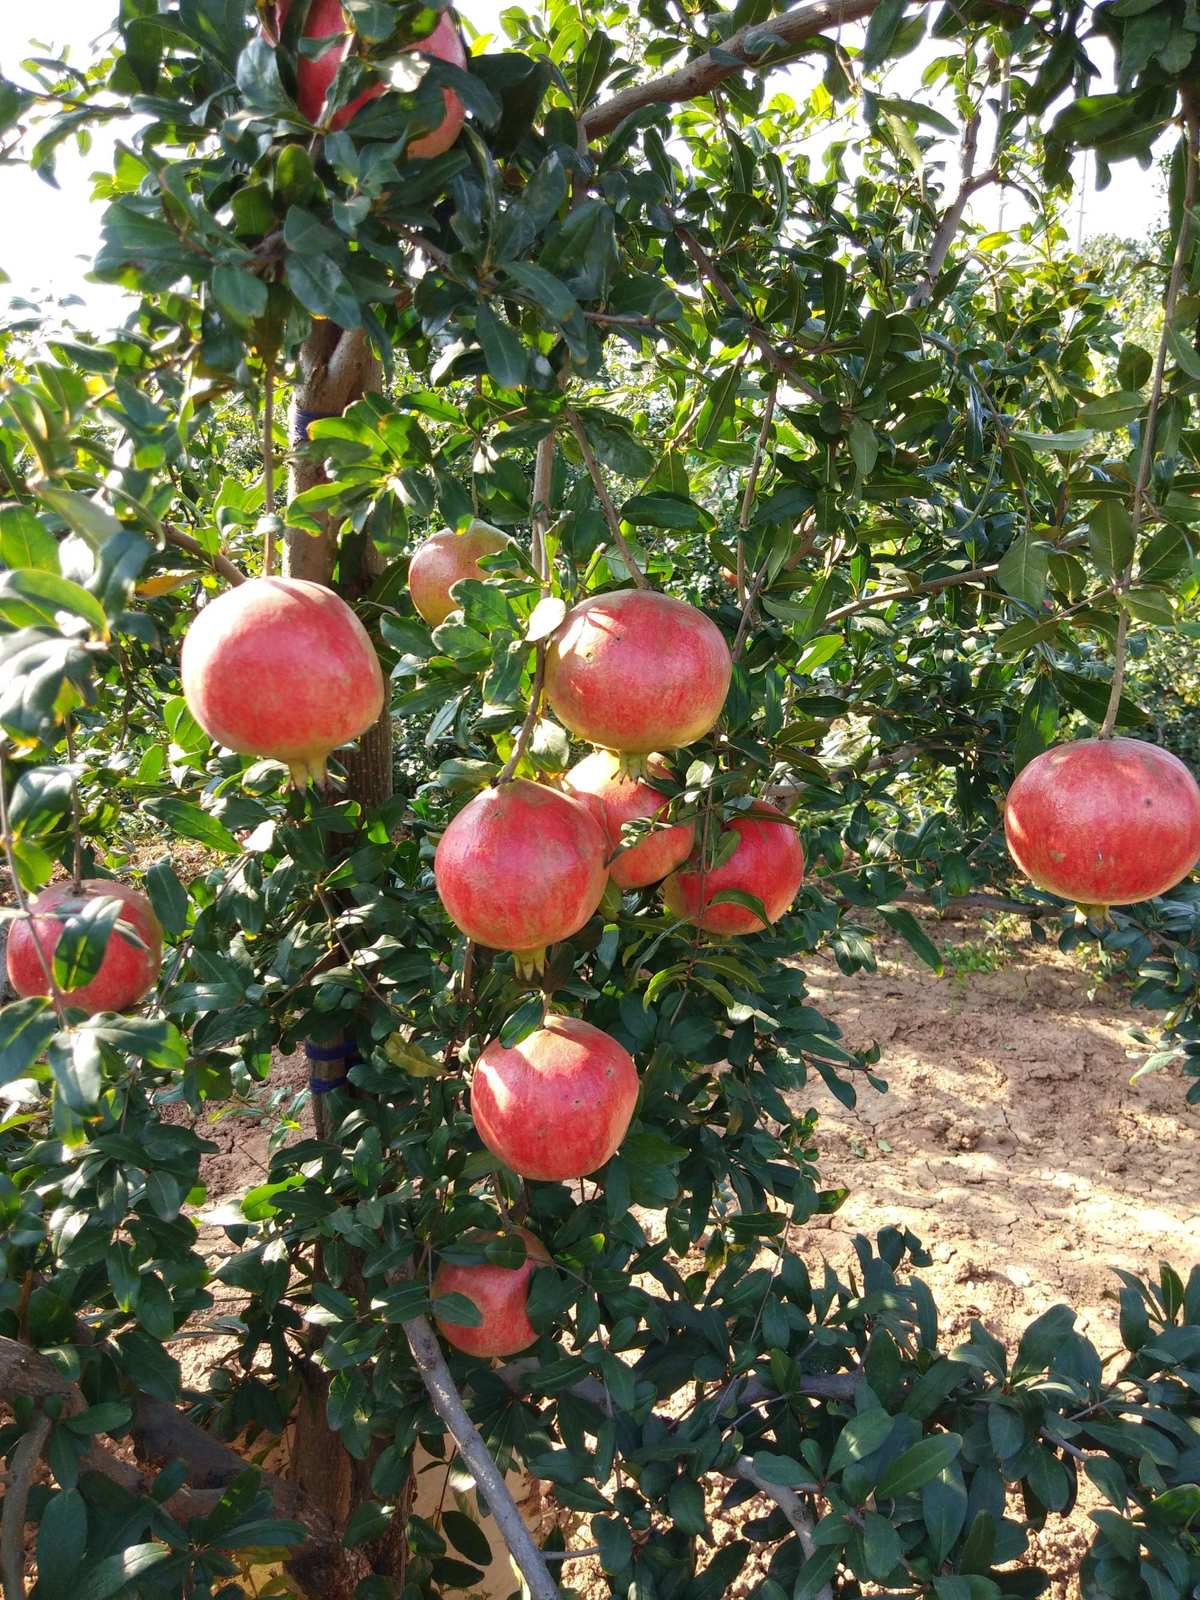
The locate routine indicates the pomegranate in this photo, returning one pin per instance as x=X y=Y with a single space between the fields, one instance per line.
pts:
x=326 y=18
x=282 y=667
x=126 y=972
x=520 y=867
x=559 y=1103
x=768 y=862
x=444 y=558
x=1104 y=822
x=636 y=671
x=622 y=799
x=501 y=1294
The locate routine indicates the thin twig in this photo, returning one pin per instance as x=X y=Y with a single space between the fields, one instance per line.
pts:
x=610 y=511
x=76 y=814
x=268 y=449
x=1146 y=456
x=16 y=1500
x=756 y=460
x=447 y=1402
x=543 y=477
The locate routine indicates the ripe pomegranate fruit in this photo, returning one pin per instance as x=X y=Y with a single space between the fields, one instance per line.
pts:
x=768 y=862
x=559 y=1103
x=622 y=799
x=1104 y=822
x=281 y=667
x=520 y=867
x=501 y=1293
x=636 y=671
x=444 y=558
x=315 y=76
x=127 y=972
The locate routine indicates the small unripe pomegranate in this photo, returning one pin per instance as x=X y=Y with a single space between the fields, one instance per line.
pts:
x=637 y=671
x=283 y=668
x=520 y=867
x=558 y=1104
x=315 y=75
x=623 y=799
x=127 y=971
x=1104 y=822
x=768 y=862
x=445 y=558
x=501 y=1294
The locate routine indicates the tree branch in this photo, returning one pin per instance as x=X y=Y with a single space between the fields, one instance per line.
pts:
x=610 y=511
x=218 y=562
x=793 y=1508
x=16 y=1499
x=752 y=48
x=934 y=586
x=447 y=1402
x=708 y=269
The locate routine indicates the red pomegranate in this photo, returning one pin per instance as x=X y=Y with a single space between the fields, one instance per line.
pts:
x=559 y=1103
x=636 y=671
x=442 y=560
x=326 y=18
x=281 y=667
x=622 y=799
x=1104 y=822
x=127 y=971
x=501 y=1293
x=520 y=867
x=768 y=862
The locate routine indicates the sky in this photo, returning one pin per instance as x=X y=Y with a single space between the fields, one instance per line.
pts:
x=51 y=235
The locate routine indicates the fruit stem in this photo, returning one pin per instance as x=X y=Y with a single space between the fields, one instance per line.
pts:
x=268 y=450
x=1146 y=456
x=610 y=511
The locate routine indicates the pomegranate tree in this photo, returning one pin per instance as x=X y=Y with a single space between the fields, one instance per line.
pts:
x=767 y=862
x=521 y=866
x=1104 y=822
x=501 y=1295
x=623 y=798
x=326 y=19
x=444 y=559
x=556 y=1105
x=636 y=671
x=128 y=970
x=283 y=668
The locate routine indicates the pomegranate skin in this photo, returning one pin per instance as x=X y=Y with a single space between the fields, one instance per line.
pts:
x=768 y=862
x=636 y=671
x=521 y=866
x=282 y=667
x=315 y=76
x=1104 y=822
x=623 y=799
x=442 y=560
x=126 y=972
x=501 y=1293
x=558 y=1104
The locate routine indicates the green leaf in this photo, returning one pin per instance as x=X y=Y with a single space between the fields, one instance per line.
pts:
x=881 y=1545
x=661 y=511
x=467 y=1537
x=1111 y=537
x=26 y=1028
x=903 y=922
x=87 y=926
x=116 y=1572
x=1041 y=1341
x=519 y=1024
x=321 y=287
x=167 y=895
x=506 y=357
x=862 y=1436
x=24 y=542
x=1024 y=569
x=61 y=1542
x=1038 y=722
x=685 y=1504
x=189 y=822
x=1074 y=440
x=881 y=30
x=785 y=1470
x=241 y=294
x=30 y=596
x=944 y=1509
x=616 y=1547
x=83 y=516
x=1112 y=411
x=918 y=1465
